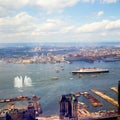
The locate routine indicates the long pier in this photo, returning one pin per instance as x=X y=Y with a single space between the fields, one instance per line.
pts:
x=114 y=89
x=20 y=98
x=94 y=101
x=109 y=99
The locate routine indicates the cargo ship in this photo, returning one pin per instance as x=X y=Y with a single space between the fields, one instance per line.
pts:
x=90 y=70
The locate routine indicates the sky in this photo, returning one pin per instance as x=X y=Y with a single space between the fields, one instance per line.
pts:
x=59 y=21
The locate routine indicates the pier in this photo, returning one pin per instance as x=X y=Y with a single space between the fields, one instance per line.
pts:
x=109 y=99
x=114 y=89
x=77 y=94
x=94 y=101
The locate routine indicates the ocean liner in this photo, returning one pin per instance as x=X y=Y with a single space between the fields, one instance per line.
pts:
x=90 y=70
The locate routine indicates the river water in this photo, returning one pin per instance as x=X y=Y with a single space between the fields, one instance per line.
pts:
x=50 y=91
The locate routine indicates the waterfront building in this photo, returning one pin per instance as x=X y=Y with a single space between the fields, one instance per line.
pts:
x=21 y=114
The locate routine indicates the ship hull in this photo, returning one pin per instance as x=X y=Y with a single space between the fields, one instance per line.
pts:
x=90 y=72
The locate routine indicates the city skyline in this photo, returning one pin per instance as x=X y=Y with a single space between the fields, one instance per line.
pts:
x=59 y=21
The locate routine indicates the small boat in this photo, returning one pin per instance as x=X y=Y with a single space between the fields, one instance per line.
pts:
x=55 y=78
x=71 y=78
x=57 y=71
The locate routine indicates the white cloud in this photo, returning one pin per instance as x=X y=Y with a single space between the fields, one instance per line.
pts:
x=52 y=26
x=53 y=5
x=91 y=1
x=102 y=26
x=108 y=1
x=100 y=13
x=13 y=4
x=24 y=27
x=21 y=18
x=113 y=25
x=19 y=23
x=4 y=12
x=47 y=5
x=11 y=7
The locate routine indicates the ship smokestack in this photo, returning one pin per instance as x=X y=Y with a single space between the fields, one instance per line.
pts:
x=119 y=96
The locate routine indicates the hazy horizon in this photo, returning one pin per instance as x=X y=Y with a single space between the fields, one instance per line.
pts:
x=59 y=44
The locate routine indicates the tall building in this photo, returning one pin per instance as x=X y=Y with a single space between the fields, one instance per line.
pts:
x=119 y=96
x=68 y=106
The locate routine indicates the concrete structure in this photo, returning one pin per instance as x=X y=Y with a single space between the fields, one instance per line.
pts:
x=68 y=106
x=21 y=114
x=119 y=97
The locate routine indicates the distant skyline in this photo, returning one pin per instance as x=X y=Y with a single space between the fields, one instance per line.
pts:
x=59 y=21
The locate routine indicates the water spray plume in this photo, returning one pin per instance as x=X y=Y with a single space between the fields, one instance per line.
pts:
x=19 y=82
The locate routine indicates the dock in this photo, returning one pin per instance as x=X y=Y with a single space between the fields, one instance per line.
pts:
x=94 y=101
x=19 y=98
x=107 y=98
x=77 y=94
x=114 y=89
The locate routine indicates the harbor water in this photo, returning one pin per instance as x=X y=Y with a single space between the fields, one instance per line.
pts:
x=41 y=83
